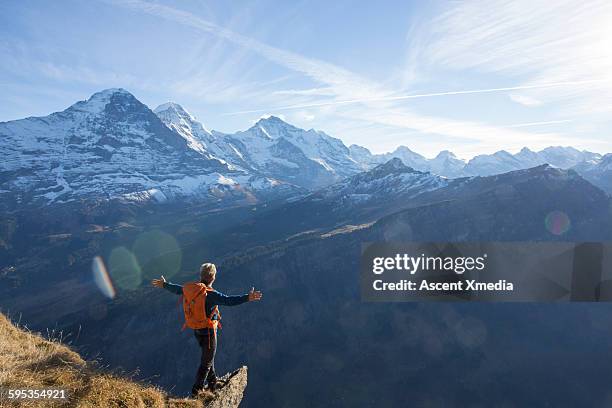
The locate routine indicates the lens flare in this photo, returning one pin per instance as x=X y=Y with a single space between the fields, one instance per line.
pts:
x=101 y=278
x=158 y=253
x=124 y=269
x=558 y=223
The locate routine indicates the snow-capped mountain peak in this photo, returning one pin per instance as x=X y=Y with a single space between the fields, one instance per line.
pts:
x=606 y=162
x=389 y=180
x=173 y=106
x=97 y=103
x=407 y=156
x=175 y=111
x=182 y=122
x=272 y=120
x=566 y=157
x=308 y=158
x=446 y=154
x=447 y=164
x=362 y=156
x=394 y=165
x=272 y=127
x=597 y=171
x=107 y=146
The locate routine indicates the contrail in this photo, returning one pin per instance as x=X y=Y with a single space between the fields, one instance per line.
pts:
x=425 y=95
x=550 y=122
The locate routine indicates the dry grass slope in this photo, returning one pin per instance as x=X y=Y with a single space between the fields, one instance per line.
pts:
x=29 y=361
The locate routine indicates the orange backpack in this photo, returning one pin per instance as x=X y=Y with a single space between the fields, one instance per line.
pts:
x=194 y=299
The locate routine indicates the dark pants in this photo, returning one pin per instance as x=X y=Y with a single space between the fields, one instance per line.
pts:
x=207 y=339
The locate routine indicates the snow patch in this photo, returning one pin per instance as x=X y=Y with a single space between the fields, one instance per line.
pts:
x=147 y=195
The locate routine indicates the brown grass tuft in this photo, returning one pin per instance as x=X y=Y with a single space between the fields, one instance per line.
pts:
x=29 y=361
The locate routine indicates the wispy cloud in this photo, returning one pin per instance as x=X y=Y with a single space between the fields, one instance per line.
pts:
x=543 y=123
x=339 y=79
x=534 y=41
x=525 y=100
x=28 y=62
x=518 y=42
x=424 y=95
x=325 y=91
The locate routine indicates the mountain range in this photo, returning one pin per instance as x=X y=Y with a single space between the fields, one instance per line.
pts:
x=448 y=165
x=113 y=146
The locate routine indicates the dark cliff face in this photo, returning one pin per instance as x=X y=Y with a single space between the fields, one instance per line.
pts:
x=311 y=341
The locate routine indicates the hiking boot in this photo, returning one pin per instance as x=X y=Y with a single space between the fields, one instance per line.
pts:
x=216 y=385
x=196 y=391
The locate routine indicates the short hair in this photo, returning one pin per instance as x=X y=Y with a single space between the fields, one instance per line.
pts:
x=207 y=273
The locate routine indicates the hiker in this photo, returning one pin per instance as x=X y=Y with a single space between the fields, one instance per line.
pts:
x=201 y=307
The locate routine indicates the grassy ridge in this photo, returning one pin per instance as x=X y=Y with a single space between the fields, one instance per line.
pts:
x=28 y=361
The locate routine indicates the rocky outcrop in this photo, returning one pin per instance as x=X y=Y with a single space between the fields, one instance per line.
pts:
x=231 y=394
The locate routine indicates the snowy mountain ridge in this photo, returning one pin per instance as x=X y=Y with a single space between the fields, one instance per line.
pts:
x=385 y=181
x=448 y=165
x=307 y=158
x=113 y=146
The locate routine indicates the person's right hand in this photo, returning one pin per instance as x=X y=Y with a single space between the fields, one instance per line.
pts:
x=159 y=283
x=254 y=295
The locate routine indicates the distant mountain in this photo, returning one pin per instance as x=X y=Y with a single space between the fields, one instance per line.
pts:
x=271 y=147
x=178 y=119
x=383 y=183
x=410 y=158
x=113 y=146
x=446 y=164
x=407 y=204
x=502 y=161
x=307 y=158
x=486 y=165
x=566 y=157
x=358 y=199
x=363 y=156
x=592 y=166
x=598 y=172
x=407 y=156
x=214 y=144
x=509 y=206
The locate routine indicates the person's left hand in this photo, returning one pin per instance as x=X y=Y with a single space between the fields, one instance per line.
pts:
x=255 y=295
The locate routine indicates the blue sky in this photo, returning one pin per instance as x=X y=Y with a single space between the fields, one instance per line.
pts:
x=470 y=77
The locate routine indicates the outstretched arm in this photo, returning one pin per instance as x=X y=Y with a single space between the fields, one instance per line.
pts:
x=171 y=287
x=219 y=298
